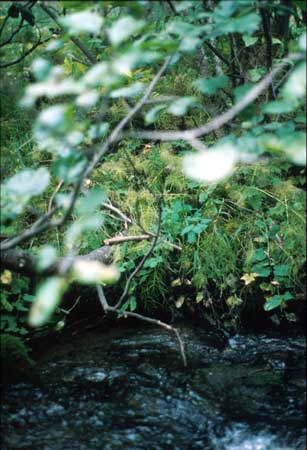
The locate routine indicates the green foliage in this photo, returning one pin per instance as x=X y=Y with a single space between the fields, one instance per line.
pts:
x=15 y=303
x=241 y=239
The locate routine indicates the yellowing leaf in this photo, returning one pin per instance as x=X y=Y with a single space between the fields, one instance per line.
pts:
x=176 y=282
x=233 y=301
x=6 y=277
x=67 y=66
x=249 y=278
x=180 y=301
x=81 y=67
x=199 y=297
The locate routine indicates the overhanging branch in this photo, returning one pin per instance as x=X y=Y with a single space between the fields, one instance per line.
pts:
x=26 y=263
x=219 y=121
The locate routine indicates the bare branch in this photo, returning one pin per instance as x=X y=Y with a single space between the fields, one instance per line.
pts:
x=120 y=239
x=107 y=308
x=26 y=263
x=37 y=227
x=117 y=211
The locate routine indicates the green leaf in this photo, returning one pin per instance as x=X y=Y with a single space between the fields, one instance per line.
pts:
x=180 y=106
x=88 y=99
x=191 y=237
x=245 y=24
x=259 y=255
x=249 y=40
x=151 y=115
x=69 y=167
x=99 y=130
x=279 y=107
x=281 y=270
x=256 y=74
x=123 y=28
x=28 y=183
x=273 y=302
x=153 y=262
x=125 y=306
x=41 y=68
x=303 y=38
x=277 y=300
x=130 y=91
x=46 y=257
x=261 y=270
x=53 y=118
x=132 y=303
x=183 y=5
x=47 y=298
x=239 y=92
x=210 y=85
x=91 y=202
x=82 y=22
x=203 y=197
x=294 y=145
x=76 y=230
x=189 y=43
x=288 y=296
x=183 y=29
x=295 y=87
x=226 y=9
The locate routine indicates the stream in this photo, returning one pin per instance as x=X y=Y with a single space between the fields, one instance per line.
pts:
x=127 y=389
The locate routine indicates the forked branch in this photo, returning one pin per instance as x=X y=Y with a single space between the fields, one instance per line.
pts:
x=113 y=309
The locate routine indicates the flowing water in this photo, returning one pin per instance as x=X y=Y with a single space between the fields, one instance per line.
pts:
x=128 y=389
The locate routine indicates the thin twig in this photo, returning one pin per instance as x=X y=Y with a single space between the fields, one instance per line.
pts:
x=128 y=220
x=54 y=194
x=107 y=308
x=120 y=239
x=117 y=211
x=142 y=262
x=9 y=40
